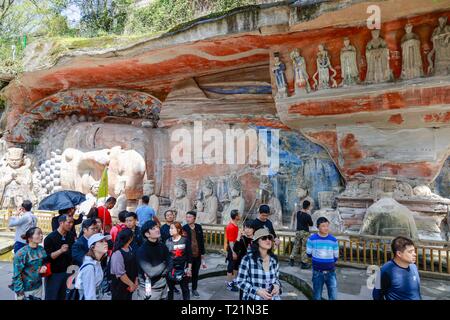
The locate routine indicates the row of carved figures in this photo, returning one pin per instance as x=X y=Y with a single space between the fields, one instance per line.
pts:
x=377 y=56
x=207 y=203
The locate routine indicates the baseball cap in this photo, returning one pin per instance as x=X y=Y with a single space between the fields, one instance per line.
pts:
x=97 y=237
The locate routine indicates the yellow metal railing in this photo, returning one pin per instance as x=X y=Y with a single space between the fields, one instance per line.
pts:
x=432 y=256
x=44 y=220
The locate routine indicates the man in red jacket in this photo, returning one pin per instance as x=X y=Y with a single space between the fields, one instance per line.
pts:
x=105 y=215
x=232 y=233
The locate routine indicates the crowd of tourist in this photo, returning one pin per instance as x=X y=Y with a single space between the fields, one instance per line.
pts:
x=138 y=258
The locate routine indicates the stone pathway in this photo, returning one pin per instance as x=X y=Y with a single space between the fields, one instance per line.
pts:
x=209 y=288
x=351 y=283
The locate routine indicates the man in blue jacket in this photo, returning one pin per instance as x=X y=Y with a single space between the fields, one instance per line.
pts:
x=399 y=278
x=80 y=247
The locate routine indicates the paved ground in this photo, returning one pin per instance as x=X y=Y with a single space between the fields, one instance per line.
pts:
x=351 y=283
x=208 y=288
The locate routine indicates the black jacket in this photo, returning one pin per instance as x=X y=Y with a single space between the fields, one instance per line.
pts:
x=199 y=233
x=79 y=250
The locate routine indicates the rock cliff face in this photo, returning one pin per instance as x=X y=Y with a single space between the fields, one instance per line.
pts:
x=227 y=72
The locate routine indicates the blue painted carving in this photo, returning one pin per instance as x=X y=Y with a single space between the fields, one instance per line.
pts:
x=240 y=89
x=302 y=164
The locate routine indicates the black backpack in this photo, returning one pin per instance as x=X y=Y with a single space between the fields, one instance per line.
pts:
x=73 y=293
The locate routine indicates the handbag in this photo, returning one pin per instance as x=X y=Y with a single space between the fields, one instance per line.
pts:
x=47 y=273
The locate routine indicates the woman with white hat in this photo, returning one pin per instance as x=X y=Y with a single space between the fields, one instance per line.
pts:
x=90 y=275
x=258 y=275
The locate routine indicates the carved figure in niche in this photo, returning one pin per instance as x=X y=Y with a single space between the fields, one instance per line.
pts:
x=121 y=204
x=377 y=55
x=301 y=82
x=383 y=187
x=349 y=67
x=272 y=201
x=323 y=70
x=403 y=190
x=148 y=188
x=208 y=205
x=411 y=58
x=441 y=49
x=280 y=79
x=181 y=203
x=15 y=179
x=351 y=189
x=235 y=199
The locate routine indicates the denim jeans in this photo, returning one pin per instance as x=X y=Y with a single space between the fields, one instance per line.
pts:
x=329 y=279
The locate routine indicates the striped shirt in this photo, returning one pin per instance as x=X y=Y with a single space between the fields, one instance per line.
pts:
x=324 y=252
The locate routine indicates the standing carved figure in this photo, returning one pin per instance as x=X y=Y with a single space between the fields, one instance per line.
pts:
x=15 y=179
x=323 y=70
x=301 y=82
x=280 y=79
x=148 y=188
x=235 y=199
x=377 y=55
x=441 y=49
x=181 y=203
x=276 y=211
x=411 y=58
x=349 y=67
x=207 y=206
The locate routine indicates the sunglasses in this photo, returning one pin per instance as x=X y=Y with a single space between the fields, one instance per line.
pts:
x=264 y=238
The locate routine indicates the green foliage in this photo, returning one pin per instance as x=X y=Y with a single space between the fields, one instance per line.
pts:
x=102 y=17
x=162 y=15
x=159 y=15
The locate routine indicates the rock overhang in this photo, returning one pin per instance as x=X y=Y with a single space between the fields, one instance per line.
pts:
x=246 y=38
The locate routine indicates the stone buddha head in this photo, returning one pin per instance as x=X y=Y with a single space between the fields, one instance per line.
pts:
x=346 y=42
x=208 y=187
x=295 y=54
x=14 y=157
x=94 y=188
x=408 y=28
x=375 y=34
x=180 y=188
x=276 y=59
